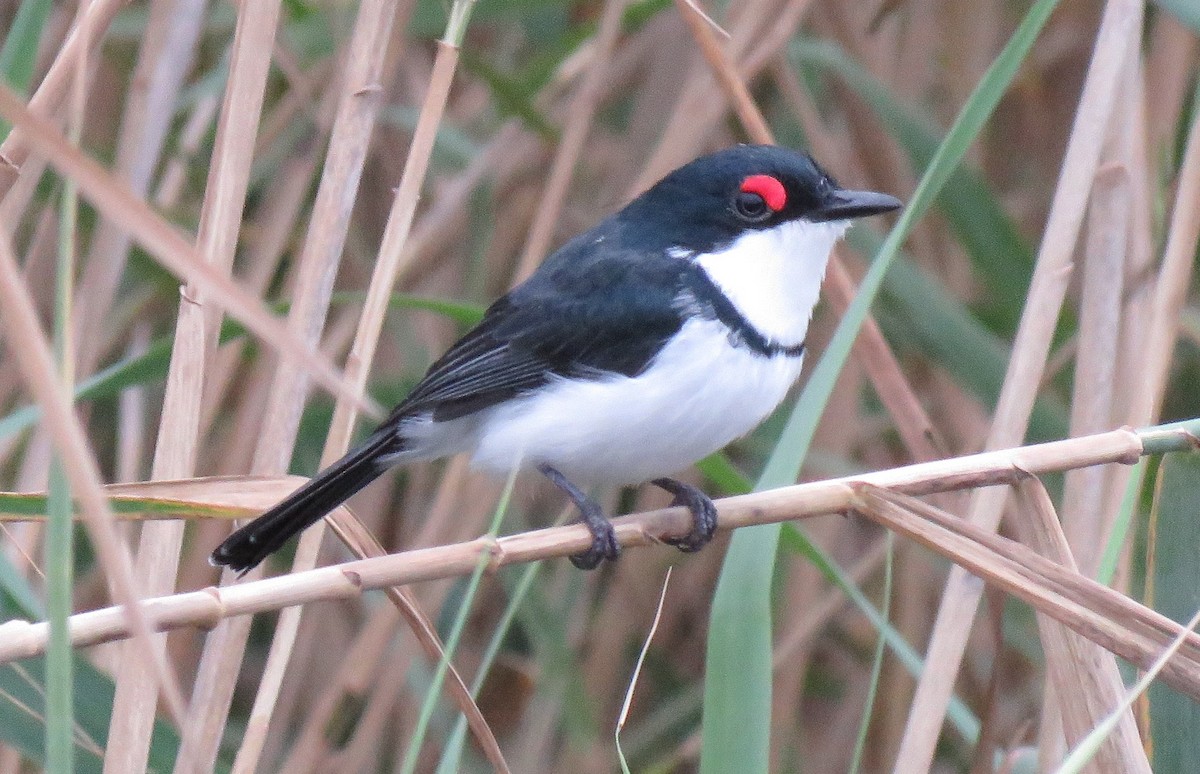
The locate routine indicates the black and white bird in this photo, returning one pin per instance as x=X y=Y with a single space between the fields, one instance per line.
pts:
x=670 y=329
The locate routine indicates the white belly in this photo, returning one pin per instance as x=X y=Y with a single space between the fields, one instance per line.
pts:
x=698 y=394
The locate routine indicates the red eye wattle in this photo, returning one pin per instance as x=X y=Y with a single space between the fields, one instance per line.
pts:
x=769 y=188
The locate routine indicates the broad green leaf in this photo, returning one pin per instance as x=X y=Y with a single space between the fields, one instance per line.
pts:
x=1174 y=591
x=22 y=715
x=23 y=506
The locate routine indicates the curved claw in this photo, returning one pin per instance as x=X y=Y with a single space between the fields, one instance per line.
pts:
x=604 y=537
x=704 y=514
x=604 y=546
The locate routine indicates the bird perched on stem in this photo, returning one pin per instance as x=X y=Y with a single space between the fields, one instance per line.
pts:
x=639 y=347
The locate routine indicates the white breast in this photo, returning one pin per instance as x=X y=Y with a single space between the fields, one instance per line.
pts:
x=698 y=394
x=774 y=276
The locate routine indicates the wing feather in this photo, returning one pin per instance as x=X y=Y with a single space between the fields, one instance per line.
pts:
x=552 y=326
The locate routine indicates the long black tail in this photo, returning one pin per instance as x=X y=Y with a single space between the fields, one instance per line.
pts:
x=248 y=546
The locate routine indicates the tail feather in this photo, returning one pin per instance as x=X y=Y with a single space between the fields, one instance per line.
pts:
x=249 y=545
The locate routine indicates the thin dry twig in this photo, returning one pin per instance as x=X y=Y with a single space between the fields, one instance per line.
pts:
x=1098 y=613
x=1173 y=282
x=51 y=93
x=157 y=561
x=1079 y=671
x=20 y=639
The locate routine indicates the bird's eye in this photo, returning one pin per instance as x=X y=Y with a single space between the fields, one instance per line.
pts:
x=751 y=207
x=759 y=197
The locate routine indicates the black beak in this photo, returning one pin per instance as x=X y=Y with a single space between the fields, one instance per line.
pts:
x=844 y=205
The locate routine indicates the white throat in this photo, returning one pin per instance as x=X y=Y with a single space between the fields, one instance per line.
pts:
x=773 y=277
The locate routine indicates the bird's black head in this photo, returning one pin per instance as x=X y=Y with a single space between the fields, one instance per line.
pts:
x=706 y=204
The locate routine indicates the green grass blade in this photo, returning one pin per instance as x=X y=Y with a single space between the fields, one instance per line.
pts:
x=59 y=562
x=736 y=719
x=60 y=533
x=34 y=506
x=18 y=55
x=1001 y=257
x=1174 y=581
x=452 y=755
x=794 y=539
x=941 y=167
x=1121 y=525
x=860 y=743
x=23 y=716
x=720 y=470
x=460 y=623
x=737 y=711
x=23 y=692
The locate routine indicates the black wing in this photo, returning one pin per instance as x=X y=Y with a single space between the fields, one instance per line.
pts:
x=586 y=313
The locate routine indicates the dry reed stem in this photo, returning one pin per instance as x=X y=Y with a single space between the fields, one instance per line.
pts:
x=29 y=347
x=363 y=544
x=132 y=411
x=1137 y=281
x=194 y=131
x=580 y=111
x=1116 y=45
x=1171 y=49
x=695 y=110
x=1173 y=280
x=20 y=639
x=114 y=200
x=1085 y=519
x=90 y=24
x=833 y=601
x=159 y=548
x=273 y=226
x=1103 y=616
x=355 y=674
x=723 y=69
x=338 y=440
x=1080 y=672
x=360 y=93
x=173 y=30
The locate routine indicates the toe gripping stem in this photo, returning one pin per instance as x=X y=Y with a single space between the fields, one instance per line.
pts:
x=604 y=537
x=704 y=514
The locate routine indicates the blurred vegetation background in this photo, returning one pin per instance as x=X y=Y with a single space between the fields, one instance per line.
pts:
x=273 y=136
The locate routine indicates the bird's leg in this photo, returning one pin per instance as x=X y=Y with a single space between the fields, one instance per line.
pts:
x=604 y=539
x=704 y=514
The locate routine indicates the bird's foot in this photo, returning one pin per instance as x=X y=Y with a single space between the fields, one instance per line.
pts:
x=604 y=542
x=704 y=514
x=604 y=537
